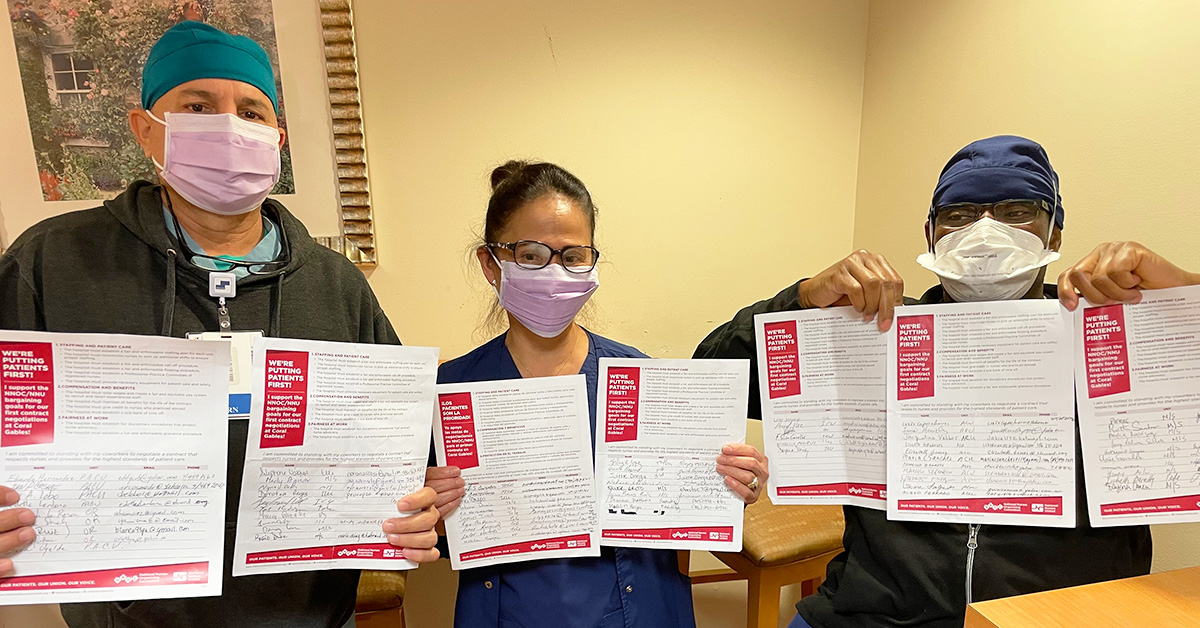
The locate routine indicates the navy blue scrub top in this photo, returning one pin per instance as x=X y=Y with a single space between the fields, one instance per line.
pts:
x=622 y=588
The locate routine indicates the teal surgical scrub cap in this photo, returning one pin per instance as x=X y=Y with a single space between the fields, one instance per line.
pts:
x=195 y=50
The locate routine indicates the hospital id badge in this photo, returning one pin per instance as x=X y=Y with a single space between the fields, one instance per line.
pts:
x=241 y=354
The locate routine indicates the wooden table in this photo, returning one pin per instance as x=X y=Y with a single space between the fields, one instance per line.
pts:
x=1163 y=600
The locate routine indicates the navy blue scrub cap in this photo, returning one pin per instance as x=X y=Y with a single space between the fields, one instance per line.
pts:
x=998 y=169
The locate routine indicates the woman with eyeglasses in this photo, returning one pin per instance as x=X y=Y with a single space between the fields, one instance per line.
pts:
x=539 y=255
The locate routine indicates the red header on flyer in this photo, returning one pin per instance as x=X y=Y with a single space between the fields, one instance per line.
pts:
x=712 y=534
x=850 y=489
x=26 y=393
x=329 y=552
x=285 y=404
x=914 y=354
x=578 y=541
x=1105 y=352
x=621 y=389
x=1153 y=506
x=996 y=505
x=783 y=359
x=161 y=575
x=458 y=430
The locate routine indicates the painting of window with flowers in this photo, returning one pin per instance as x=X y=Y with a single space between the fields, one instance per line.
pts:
x=80 y=64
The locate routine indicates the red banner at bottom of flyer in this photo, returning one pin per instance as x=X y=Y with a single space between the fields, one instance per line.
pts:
x=851 y=489
x=993 y=505
x=329 y=552
x=711 y=534
x=159 y=575
x=579 y=541
x=1152 y=506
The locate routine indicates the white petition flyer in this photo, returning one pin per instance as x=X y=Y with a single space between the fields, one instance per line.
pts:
x=339 y=432
x=981 y=420
x=1138 y=385
x=119 y=445
x=660 y=425
x=525 y=451
x=822 y=389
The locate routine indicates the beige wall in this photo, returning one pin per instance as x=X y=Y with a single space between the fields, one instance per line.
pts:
x=720 y=143
x=1109 y=88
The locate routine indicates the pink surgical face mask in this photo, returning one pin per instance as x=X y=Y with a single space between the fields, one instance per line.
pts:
x=220 y=162
x=545 y=300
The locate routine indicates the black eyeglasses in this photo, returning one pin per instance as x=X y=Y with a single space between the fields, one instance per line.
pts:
x=1010 y=212
x=533 y=255
x=224 y=264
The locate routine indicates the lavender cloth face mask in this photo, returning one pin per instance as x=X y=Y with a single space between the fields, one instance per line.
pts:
x=545 y=300
x=220 y=162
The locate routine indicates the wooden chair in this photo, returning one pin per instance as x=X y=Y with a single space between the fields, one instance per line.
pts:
x=781 y=545
x=380 y=599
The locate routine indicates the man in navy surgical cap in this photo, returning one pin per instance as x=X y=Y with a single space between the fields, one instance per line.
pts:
x=995 y=222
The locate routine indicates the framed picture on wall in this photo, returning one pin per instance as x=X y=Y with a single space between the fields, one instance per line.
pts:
x=70 y=70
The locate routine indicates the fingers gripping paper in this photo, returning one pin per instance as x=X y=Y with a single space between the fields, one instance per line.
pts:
x=823 y=407
x=118 y=445
x=525 y=452
x=339 y=432
x=1138 y=386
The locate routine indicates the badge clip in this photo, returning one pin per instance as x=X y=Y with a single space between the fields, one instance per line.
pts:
x=220 y=287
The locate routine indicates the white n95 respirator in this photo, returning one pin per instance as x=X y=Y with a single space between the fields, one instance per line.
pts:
x=987 y=261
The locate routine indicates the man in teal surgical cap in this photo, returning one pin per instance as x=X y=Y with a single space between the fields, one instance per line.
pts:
x=140 y=264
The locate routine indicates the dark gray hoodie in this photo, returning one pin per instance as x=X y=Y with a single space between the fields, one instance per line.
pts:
x=909 y=574
x=114 y=269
